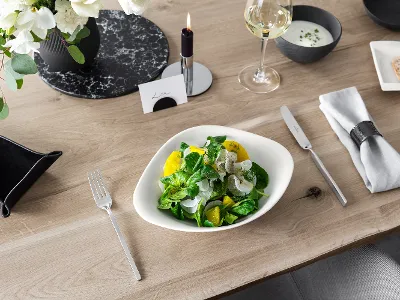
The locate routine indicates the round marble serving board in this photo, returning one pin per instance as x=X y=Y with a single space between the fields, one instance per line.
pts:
x=133 y=50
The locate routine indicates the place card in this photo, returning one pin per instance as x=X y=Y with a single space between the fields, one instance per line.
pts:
x=163 y=93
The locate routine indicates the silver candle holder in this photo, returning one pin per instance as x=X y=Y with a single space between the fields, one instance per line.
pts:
x=197 y=77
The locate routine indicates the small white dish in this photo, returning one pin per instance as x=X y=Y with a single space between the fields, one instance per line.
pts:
x=383 y=53
x=272 y=156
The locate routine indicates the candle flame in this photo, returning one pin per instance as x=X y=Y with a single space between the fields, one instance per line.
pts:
x=188 y=22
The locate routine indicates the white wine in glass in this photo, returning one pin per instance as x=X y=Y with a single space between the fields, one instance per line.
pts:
x=266 y=19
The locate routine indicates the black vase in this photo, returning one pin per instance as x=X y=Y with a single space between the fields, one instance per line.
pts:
x=57 y=57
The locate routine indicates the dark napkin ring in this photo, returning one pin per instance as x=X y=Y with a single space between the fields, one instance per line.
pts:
x=362 y=131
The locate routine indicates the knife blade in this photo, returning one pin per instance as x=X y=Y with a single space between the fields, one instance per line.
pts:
x=295 y=128
x=303 y=141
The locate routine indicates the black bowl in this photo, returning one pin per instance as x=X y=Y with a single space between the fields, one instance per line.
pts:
x=316 y=15
x=384 y=12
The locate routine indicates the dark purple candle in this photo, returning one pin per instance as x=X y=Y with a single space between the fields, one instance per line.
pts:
x=187 y=40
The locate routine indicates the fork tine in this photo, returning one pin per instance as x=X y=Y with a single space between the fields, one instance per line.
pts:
x=92 y=186
x=101 y=182
x=95 y=189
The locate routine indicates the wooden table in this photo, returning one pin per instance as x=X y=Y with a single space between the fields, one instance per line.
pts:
x=58 y=244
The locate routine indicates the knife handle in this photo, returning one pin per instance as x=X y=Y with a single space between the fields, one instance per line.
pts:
x=328 y=178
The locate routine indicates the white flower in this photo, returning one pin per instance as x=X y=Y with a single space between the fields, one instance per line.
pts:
x=136 y=7
x=86 y=8
x=8 y=17
x=38 y=21
x=66 y=18
x=9 y=12
x=23 y=43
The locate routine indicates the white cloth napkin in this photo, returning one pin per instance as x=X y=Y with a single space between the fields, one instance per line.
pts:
x=377 y=161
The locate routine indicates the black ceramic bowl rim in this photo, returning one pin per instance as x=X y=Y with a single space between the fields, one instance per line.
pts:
x=317 y=8
x=392 y=25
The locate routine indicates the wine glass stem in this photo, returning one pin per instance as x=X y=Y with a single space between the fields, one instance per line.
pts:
x=263 y=47
x=259 y=76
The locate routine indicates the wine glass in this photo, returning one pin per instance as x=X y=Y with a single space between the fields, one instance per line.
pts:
x=266 y=19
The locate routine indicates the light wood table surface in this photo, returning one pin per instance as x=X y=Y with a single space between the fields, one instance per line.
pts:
x=58 y=244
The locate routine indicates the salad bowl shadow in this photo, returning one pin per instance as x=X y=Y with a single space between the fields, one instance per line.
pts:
x=270 y=155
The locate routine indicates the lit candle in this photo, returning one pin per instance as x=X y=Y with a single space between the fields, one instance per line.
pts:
x=187 y=40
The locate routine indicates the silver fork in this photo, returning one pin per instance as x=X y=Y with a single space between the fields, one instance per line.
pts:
x=104 y=201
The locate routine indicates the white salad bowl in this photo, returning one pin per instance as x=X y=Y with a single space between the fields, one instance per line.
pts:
x=270 y=155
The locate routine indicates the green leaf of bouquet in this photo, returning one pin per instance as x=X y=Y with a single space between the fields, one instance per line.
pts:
x=20 y=82
x=83 y=33
x=2 y=41
x=8 y=68
x=7 y=53
x=1 y=103
x=71 y=38
x=23 y=64
x=4 y=112
x=76 y=54
x=10 y=81
x=36 y=39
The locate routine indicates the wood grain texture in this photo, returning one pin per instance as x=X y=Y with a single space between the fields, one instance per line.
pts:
x=58 y=244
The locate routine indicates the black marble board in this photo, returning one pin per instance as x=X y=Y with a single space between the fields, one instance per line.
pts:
x=133 y=50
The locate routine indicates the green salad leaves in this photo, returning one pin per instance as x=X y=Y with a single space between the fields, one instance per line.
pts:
x=210 y=185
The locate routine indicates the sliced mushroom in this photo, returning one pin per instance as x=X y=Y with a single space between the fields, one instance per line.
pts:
x=239 y=186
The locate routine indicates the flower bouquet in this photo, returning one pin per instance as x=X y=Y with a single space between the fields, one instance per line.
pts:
x=24 y=24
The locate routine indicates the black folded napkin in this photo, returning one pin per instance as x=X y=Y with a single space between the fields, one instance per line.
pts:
x=20 y=167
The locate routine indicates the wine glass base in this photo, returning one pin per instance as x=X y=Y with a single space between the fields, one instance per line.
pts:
x=268 y=82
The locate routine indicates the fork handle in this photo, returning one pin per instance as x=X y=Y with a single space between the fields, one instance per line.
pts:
x=124 y=246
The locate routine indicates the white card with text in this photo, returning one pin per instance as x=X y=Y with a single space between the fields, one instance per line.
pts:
x=163 y=93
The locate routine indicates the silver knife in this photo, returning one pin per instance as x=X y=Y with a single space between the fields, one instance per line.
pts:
x=303 y=141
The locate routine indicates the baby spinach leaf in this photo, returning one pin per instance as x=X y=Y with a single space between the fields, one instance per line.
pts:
x=244 y=208
x=261 y=175
x=192 y=190
x=214 y=147
x=208 y=224
x=254 y=195
x=218 y=139
x=177 y=179
x=219 y=189
x=249 y=175
x=177 y=211
x=196 y=177
x=184 y=146
x=193 y=161
x=230 y=218
x=179 y=195
x=198 y=215
x=213 y=150
x=209 y=172
x=261 y=193
x=165 y=203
